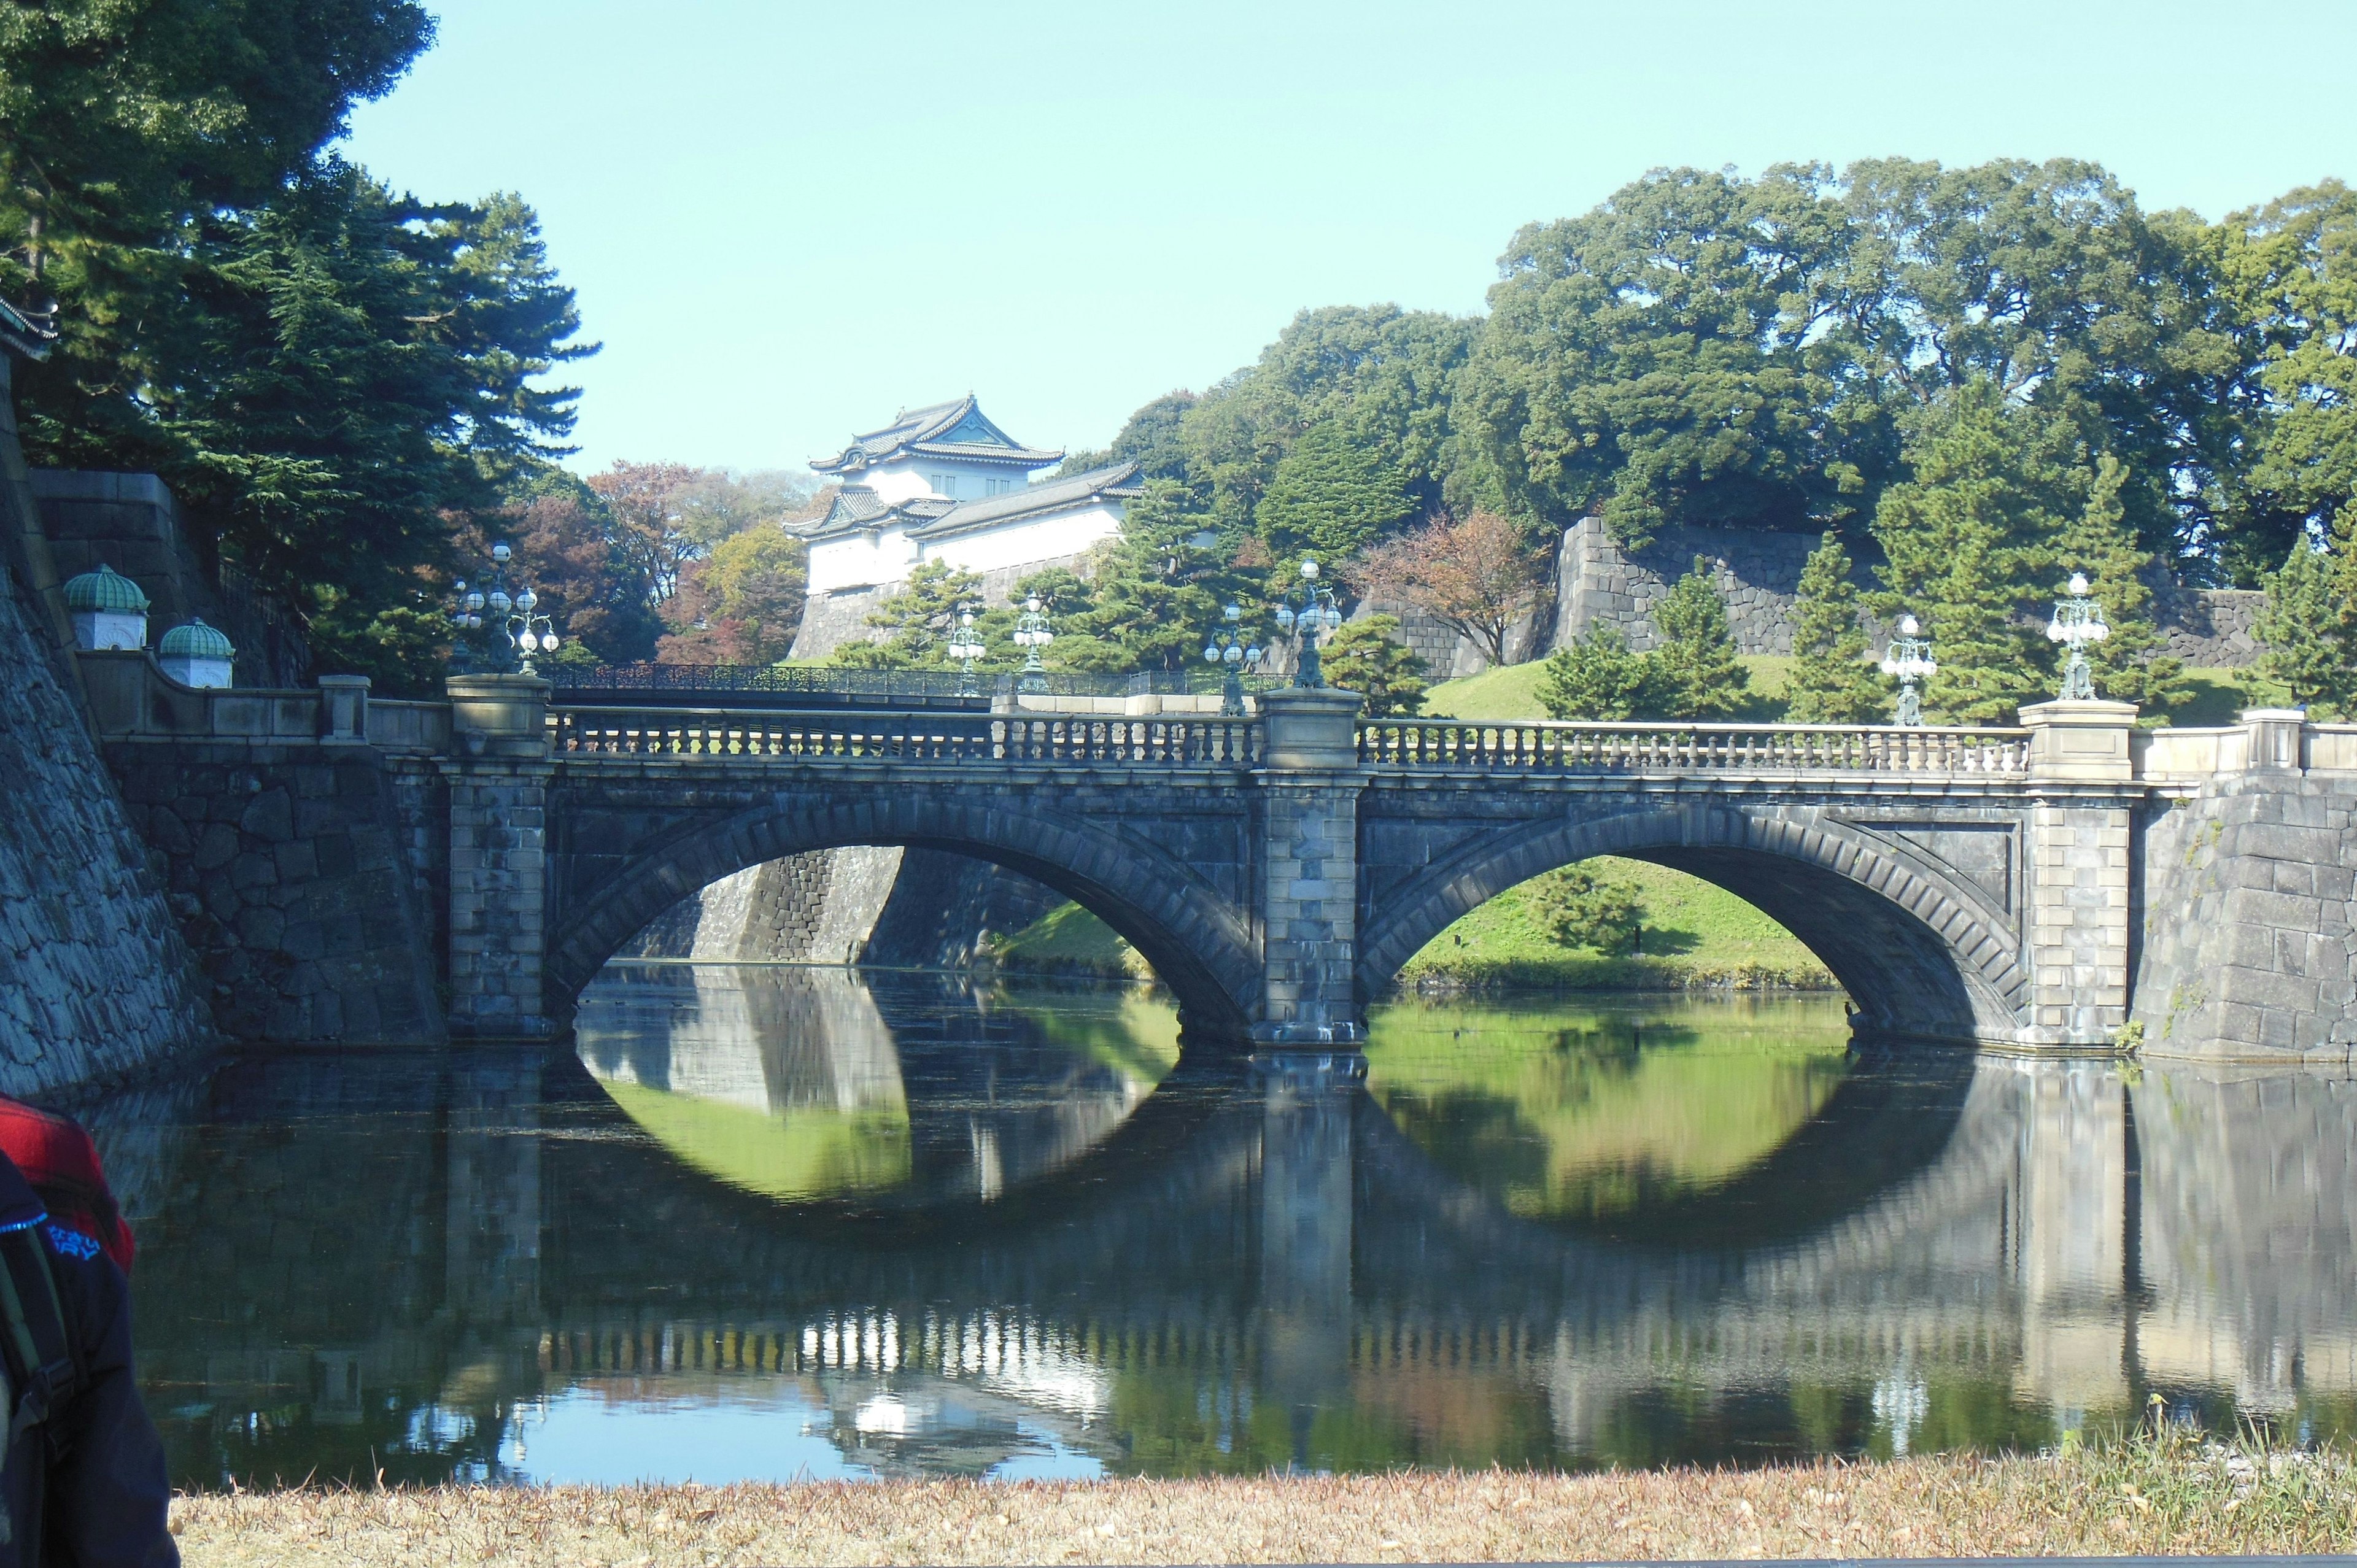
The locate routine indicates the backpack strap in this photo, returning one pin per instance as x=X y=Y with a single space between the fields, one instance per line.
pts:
x=33 y=1319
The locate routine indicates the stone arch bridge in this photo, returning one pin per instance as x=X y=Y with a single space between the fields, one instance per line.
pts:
x=1277 y=871
x=2036 y=887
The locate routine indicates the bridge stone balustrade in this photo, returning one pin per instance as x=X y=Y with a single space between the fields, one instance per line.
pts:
x=2064 y=884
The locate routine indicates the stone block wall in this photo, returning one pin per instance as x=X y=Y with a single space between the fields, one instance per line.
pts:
x=914 y=908
x=95 y=980
x=1601 y=581
x=943 y=905
x=130 y=523
x=2248 y=931
x=2210 y=628
x=286 y=866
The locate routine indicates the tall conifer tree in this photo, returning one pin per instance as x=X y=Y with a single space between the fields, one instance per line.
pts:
x=1833 y=683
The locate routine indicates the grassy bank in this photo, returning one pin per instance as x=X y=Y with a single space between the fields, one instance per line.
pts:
x=2167 y=1497
x=1696 y=936
x=1513 y=693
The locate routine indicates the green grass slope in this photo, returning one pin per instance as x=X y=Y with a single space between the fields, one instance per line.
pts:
x=1696 y=935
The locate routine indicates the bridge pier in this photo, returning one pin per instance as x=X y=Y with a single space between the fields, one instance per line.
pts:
x=2081 y=842
x=497 y=777
x=1310 y=783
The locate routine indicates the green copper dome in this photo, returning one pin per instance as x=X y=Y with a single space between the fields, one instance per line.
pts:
x=106 y=591
x=195 y=640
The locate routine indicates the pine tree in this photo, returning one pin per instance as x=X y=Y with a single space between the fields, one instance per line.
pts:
x=919 y=618
x=2306 y=633
x=1966 y=538
x=1368 y=657
x=1833 y=681
x=1598 y=679
x=1696 y=663
x=2128 y=665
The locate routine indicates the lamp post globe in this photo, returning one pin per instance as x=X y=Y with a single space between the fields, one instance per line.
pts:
x=1310 y=613
x=519 y=629
x=1229 y=652
x=1910 y=661
x=2077 y=623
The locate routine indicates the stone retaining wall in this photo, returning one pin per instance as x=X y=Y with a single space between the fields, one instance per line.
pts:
x=130 y=523
x=1601 y=581
x=286 y=867
x=95 y=982
x=2247 y=929
x=862 y=904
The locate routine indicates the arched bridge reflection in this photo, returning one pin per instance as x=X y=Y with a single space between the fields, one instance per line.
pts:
x=406 y=1263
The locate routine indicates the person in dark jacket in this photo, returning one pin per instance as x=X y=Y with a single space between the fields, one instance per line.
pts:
x=85 y=1483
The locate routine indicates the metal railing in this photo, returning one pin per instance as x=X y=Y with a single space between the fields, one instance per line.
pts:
x=1206 y=741
x=1691 y=747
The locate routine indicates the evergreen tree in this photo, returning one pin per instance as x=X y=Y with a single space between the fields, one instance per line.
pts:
x=1966 y=538
x=1330 y=498
x=1597 y=678
x=1833 y=681
x=1696 y=662
x=1579 y=909
x=2305 y=630
x=2128 y=665
x=1367 y=657
x=919 y=619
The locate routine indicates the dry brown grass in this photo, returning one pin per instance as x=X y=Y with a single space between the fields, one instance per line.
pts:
x=2077 y=1504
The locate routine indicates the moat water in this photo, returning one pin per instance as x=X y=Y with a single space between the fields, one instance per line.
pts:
x=774 y=1222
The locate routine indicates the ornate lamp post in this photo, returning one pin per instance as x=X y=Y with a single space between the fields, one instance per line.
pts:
x=1309 y=613
x=2078 y=621
x=514 y=618
x=1032 y=635
x=1227 y=650
x=1910 y=660
x=965 y=647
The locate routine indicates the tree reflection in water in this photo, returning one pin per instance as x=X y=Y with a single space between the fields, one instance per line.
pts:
x=901 y=1225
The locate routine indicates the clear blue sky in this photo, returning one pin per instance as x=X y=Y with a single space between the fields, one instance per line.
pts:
x=786 y=221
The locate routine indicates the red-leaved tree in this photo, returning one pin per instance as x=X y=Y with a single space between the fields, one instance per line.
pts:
x=1477 y=576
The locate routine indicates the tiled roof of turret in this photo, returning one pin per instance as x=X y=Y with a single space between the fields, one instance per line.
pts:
x=956 y=429
x=20 y=333
x=1117 y=482
x=857 y=507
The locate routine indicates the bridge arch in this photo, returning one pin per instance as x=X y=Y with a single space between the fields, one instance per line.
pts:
x=1920 y=950
x=1195 y=939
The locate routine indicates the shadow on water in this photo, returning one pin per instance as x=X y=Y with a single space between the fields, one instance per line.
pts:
x=769 y=1222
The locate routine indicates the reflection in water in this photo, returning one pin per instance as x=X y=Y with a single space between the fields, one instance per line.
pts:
x=1595 y=1112
x=788 y=1081
x=1569 y=1237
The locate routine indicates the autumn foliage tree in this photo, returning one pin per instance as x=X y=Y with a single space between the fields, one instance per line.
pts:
x=1477 y=576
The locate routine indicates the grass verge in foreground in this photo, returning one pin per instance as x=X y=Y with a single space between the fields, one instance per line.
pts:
x=2146 y=1498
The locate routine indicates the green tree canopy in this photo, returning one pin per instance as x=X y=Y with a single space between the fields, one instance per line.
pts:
x=1699 y=673
x=1330 y=498
x=1834 y=679
x=1368 y=657
x=2305 y=626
